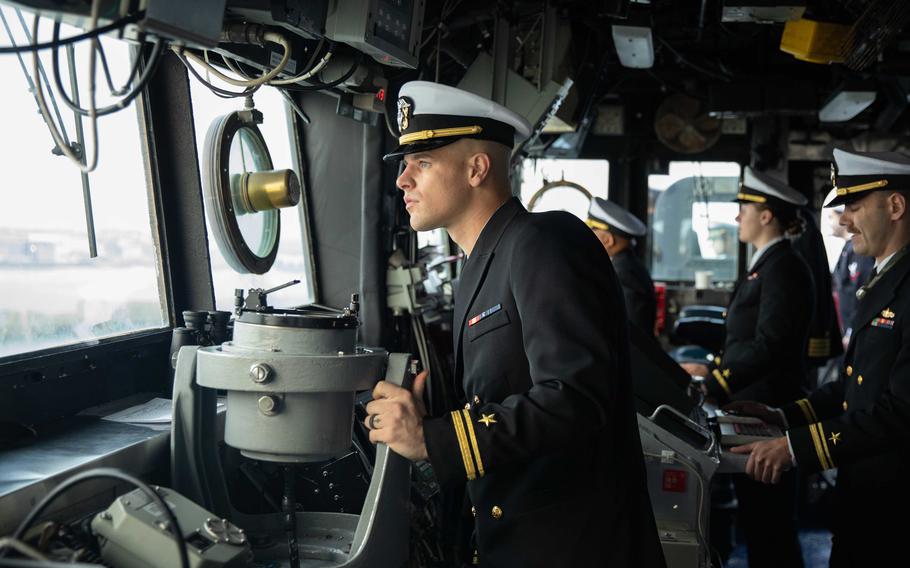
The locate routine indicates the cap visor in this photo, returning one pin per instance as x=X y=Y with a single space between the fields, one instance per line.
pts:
x=845 y=199
x=425 y=146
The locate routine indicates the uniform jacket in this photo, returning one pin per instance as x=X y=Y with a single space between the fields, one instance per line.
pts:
x=767 y=329
x=824 y=330
x=851 y=271
x=637 y=289
x=548 y=438
x=860 y=423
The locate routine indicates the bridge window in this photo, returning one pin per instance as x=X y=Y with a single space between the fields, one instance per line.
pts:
x=52 y=291
x=552 y=184
x=693 y=221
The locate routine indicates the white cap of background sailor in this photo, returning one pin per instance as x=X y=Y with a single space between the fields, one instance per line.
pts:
x=757 y=187
x=605 y=215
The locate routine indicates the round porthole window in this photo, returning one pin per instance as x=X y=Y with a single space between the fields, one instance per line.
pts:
x=243 y=193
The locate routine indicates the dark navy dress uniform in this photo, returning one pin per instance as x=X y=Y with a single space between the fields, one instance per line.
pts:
x=637 y=289
x=767 y=329
x=765 y=359
x=824 y=330
x=547 y=440
x=637 y=286
x=860 y=424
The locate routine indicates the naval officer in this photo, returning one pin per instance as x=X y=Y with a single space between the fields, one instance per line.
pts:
x=546 y=437
x=617 y=229
x=764 y=355
x=860 y=424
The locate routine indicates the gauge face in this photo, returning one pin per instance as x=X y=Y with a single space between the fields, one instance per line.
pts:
x=235 y=153
x=248 y=154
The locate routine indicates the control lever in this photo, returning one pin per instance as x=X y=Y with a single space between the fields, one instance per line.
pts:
x=256 y=300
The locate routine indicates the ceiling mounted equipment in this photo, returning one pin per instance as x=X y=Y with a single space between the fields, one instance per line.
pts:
x=683 y=124
x=875 y=30
x=762 y=11
x=815 y=42
x=846 y=104
x=387 y=30
x=634 y=46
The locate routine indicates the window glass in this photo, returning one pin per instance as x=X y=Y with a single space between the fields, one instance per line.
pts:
x=593 y=175
x=52 y=293
x=693 y=221
x=291 y=262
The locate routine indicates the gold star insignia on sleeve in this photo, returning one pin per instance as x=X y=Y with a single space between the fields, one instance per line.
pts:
x=487 y=419
x=834 y=438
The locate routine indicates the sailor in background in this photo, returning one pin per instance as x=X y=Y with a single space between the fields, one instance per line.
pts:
x=617 y=229
x=860 y=423
x=764 y=355
x=850 y=273
x=824 y=331
x=545 y=437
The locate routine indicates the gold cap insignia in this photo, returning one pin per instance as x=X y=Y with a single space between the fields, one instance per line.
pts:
x=487 y=419
x=404 y=113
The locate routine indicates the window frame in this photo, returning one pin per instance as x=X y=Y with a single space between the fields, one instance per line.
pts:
x=166 y=95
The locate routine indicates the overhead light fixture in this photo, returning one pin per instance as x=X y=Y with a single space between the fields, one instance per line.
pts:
x=634 y=46
x=762 y=11
x=845 y=105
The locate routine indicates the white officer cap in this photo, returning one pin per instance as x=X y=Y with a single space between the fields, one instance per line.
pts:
x=431 y=115
x=757 y=187
x=854 y=174
x=605 y=215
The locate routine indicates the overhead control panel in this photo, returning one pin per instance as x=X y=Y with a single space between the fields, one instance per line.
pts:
x=387 y=30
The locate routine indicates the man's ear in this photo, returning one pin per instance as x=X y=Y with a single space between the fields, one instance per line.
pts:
x=897 y=205
x=478 y=168
x=609 y=239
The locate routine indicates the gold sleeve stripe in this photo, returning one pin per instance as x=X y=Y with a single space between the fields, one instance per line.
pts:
x=813 y=430
x=807 y=409
x=463 y=442
x=722 y=381
x=474 y=446
x=821 y=434
x=819 y=347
